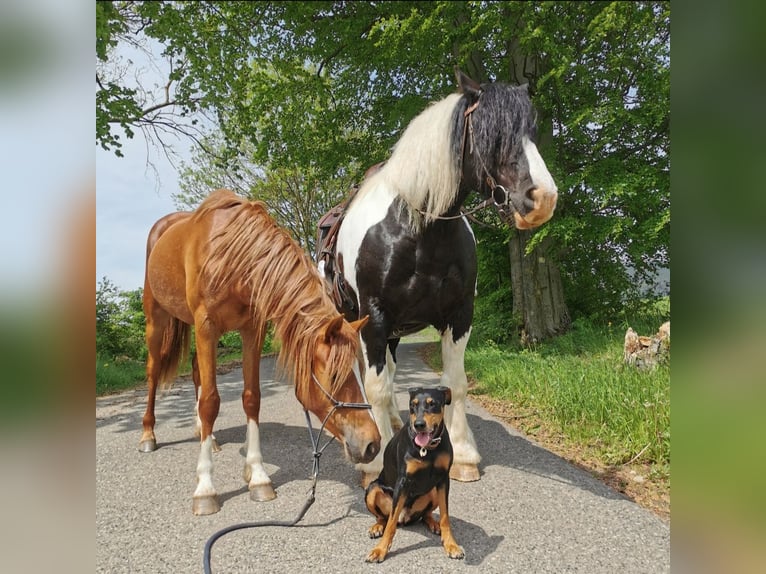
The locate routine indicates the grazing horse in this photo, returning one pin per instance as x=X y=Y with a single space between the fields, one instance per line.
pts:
x=405 y=255
x=227 y=266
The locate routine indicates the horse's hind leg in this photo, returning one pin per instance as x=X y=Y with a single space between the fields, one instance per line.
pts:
x=465 y=468
x=205 y=497
x=254 y=473
x=157 y=322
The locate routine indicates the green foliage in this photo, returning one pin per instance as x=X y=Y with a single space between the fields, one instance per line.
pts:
x=492 y=309
x=113 y=375
x=577 y=384
x=308 y=94
x=120 y=321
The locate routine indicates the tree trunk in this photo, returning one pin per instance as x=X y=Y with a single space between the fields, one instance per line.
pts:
x=538 y=294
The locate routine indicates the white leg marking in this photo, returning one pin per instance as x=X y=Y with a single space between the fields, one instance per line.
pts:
x=205 y=469
x=198 y=421
x=453 y=376
x=359 y=378
x=254 y=459
x=379 y=391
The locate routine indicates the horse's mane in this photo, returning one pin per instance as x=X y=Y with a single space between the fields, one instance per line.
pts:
x=424 y=169
x=285 y=286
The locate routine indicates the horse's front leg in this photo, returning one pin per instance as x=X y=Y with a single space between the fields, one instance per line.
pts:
x=205 y=498
x=466 y=465
x=254 y=473
x=197 y=382
x=379 y=389
x=393 y=408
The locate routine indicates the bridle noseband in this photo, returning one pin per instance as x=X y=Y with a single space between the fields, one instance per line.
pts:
x=499 y=196
x=336 y=404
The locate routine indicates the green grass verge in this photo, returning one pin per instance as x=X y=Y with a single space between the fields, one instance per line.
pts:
x=114 y=375
x=578 y=387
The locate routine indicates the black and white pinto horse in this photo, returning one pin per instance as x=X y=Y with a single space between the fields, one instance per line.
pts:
x=407 y=255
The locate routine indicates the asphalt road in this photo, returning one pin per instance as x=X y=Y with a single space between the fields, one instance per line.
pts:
x=531 y=512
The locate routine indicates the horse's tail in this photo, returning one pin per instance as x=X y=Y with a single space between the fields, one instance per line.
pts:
x=176 y=341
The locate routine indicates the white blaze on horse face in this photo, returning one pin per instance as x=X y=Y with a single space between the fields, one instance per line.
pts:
x=541 y=177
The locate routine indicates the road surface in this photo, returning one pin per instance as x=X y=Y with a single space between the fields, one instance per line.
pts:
x=531 y=512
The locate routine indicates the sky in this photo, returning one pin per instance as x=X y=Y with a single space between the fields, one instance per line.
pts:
x=130 y=194
x=130 y=197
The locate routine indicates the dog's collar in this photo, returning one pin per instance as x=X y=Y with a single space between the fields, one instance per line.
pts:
x=436 y=441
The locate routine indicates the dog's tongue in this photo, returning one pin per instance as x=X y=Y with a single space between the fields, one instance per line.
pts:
x=422 y=438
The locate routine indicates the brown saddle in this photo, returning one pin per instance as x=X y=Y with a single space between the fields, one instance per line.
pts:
x=331 y=261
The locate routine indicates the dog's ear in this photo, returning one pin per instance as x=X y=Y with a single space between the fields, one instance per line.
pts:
x=447 y=394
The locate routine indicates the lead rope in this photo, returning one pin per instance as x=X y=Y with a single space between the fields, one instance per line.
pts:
x=317 y=452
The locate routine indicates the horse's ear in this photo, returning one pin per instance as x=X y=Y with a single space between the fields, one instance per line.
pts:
x=467 y=86
x=357 y=325
x=334 y=328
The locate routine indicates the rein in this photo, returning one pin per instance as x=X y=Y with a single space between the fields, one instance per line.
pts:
x=317 y=452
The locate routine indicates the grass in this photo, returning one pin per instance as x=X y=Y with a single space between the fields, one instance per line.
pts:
x=575 y=396
x=118 y=374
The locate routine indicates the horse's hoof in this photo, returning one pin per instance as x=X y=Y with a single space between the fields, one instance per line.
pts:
x=216 y=446
x=205 y=505
x=464 y=472
x=149 y=445
x=262 y=493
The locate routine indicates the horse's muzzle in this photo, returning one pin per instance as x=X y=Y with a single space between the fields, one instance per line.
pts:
x=362 y=450
x=543 y=206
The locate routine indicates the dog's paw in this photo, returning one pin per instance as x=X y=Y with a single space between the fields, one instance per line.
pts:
x=454 y=551
x=377 y=554
x=433 y=525
x=376 y=530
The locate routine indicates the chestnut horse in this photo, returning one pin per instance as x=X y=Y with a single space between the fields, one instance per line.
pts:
x=228 y=267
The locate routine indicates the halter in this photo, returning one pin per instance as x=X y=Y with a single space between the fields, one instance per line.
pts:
x=336 y=404
x=499 y=196
x=505 y=200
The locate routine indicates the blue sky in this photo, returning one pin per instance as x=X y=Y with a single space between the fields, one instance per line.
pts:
x=130 y=197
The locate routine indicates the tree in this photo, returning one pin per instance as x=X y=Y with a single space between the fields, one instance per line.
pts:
x=296 y=197
x=316 y=92
x=120 y=321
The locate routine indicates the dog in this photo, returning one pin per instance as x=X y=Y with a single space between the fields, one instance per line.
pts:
x=415 y=477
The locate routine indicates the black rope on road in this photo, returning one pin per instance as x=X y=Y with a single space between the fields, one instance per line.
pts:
x=312 y=494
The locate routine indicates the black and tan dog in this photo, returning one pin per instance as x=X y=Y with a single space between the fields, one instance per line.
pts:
x=415 y=477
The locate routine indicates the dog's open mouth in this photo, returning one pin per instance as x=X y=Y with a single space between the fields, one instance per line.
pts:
x=423 y=438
